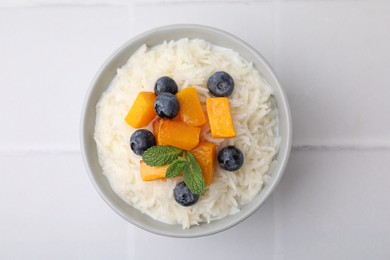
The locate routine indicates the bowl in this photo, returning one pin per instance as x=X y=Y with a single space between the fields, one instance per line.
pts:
x=103 y=79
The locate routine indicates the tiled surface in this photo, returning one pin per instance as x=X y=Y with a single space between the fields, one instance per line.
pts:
x=333 y=59
x=334 y=205
x=329 y=205
x=259 y=16
x=48 y=58
x=313 y=214
x=50 y=210
x=334 y=62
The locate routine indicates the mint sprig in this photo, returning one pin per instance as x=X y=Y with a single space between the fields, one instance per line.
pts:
x=161 y=155
x=186 y=164
x=193 y=177
x=176 y=167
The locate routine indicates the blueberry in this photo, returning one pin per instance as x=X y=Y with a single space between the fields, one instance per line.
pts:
x=230 y=158
x=220 y=84
x=184 y=196
x=166 y=105
x=141 y=140
x=165 y=84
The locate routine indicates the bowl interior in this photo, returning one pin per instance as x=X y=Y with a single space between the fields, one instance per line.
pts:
x=103 y=79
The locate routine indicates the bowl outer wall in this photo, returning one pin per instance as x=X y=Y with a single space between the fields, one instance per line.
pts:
x=103 y=79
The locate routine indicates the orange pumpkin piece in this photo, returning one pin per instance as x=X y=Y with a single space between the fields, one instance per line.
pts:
x=191 y=111
x=220 y=119
x=142 y=111
x=149 y=173
x=156 y=128
x=177 y=118
x=178 y=134
x=205 y=155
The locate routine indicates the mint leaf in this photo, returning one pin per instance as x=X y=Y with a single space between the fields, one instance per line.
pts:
x=161 y=155
x=176 y=168
x=193 y=177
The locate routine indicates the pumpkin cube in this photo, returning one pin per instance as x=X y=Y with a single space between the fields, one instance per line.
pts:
x=178 y=134
x=156 y=128
x=220 y=119
x=205 y=155
x=149 y=173
x=142 y=111
x=191 y=111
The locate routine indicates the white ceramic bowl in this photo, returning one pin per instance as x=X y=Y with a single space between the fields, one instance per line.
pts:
x=102 y=80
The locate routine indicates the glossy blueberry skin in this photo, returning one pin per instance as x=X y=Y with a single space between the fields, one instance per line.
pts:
x=230 y=158
x=166 y=105
x=220 y=84
x=141 y=140
x=184 y=196
x=165 y=84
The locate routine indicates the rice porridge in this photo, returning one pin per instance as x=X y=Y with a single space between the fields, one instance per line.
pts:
x=190 y=63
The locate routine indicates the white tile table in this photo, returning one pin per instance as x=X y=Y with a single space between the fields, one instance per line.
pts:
x=333 y=59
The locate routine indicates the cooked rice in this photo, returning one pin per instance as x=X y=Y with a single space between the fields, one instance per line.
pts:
x=189 y=63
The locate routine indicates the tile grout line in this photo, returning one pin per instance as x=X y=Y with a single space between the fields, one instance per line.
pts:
x=72 y=3
x=65 y=4
x=36 y=151
x=276 y=31
x=297 y=148
x=278 y=234
x=159 y=2
x=340 y=148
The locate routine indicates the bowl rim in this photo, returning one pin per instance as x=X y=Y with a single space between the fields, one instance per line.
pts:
x=282 y=105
